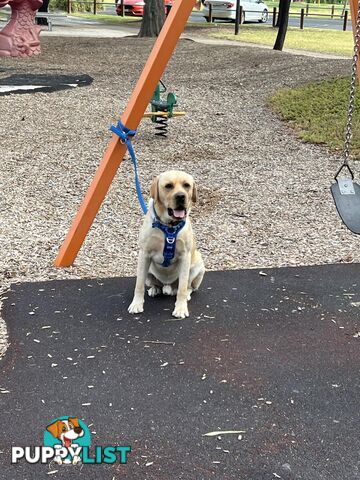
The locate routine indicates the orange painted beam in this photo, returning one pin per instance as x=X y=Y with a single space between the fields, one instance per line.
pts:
x=114 y=154
x=354 y=13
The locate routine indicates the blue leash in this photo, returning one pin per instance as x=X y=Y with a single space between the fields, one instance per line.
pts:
x=126 y=135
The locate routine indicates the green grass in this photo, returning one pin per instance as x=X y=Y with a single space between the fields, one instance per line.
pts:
x=318 y=112
x=106 y=18
x=311 y=39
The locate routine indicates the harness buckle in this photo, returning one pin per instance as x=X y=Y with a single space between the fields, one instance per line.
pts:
x=170 y=240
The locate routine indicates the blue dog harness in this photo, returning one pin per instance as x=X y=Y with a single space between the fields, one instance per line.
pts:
x=170 y=238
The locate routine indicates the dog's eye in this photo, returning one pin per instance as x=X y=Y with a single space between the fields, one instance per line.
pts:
x=169 y=186
x=64 y=428
x=186 y=185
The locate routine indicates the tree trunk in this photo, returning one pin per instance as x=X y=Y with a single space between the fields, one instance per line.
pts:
x=281 y=10
x=344 y=8
x=283 y=24
x=153 y=19
x=44 y=8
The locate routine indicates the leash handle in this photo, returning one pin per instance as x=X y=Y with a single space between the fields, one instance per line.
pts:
x=125 y=135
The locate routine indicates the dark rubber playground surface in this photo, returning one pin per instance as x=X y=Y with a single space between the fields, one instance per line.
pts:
x=274 y=353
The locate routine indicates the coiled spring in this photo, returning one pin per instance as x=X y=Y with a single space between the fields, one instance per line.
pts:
x=161 y=126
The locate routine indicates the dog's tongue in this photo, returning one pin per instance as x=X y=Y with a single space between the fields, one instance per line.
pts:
x=179 y=213
x=67 y=442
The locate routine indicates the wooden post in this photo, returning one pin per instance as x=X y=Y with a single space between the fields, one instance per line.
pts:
x=238 y=16
x=274 y=17
x=94 y=7
x=332 y=10
x=307 y=9
x=122 y=8
x=302 y=15
x=345 y=20
x=210 y=13
x=114 y=154
x=68 y=6
x=353 y=10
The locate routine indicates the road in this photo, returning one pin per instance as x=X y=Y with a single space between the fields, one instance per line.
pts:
x=294 y=21
x=197 y=17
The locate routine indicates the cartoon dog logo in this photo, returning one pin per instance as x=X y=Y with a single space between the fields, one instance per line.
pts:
x=66 y=431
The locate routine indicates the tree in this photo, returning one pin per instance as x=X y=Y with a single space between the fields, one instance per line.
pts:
x=280 y=12
x=44 y=8
x=344 y=8
x=283 y=21
x=153 y=19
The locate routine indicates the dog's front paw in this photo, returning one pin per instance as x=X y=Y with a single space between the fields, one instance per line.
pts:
x=180 y=310
x=136 y=306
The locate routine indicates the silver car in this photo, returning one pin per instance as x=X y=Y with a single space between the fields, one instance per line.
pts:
x=252 y=10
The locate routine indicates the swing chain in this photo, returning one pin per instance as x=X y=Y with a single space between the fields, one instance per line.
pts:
x=348 y=131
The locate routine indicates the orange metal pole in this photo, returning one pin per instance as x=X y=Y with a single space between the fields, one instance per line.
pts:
x=113 y=156
x=354 y=12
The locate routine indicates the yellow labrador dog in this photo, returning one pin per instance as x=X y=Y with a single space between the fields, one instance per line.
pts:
x=168 y=259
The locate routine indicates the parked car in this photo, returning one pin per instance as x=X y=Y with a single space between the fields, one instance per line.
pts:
x=135 y=8
x=252 y=10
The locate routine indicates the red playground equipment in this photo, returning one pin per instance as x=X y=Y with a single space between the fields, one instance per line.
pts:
x=20 y=37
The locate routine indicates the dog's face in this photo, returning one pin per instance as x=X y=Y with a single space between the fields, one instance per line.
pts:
x=173 y=192
x=66 y=430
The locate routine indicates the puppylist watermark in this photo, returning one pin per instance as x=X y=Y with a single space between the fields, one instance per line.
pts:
x=67 y=441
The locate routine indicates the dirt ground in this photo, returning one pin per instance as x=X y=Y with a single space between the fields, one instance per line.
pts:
x=264 y=196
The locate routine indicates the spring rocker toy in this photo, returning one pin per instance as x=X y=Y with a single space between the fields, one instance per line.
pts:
x=162 y=110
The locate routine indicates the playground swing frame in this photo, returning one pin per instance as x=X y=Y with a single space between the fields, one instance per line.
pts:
x=140 y=98
x=114 y=154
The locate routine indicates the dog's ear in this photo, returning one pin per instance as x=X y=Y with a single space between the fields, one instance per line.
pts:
x=74 y=421
x=154 y=189
x=53 y=428
x=194 y=196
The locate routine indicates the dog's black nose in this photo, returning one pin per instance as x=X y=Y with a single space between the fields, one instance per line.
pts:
x=180 y=199
x=78 y=430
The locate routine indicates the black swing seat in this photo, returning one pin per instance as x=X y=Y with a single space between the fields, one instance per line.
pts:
x=346 y=194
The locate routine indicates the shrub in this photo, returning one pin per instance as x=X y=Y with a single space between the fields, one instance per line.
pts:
x=76 y=6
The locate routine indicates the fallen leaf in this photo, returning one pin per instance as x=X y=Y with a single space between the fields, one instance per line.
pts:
x=223 y=432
